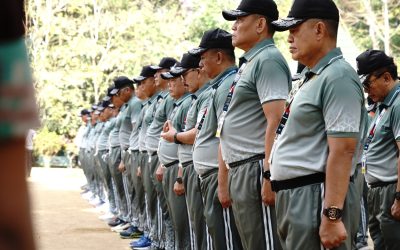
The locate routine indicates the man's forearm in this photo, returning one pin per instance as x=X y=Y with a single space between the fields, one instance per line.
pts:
x=187 y=137
x=338 y=169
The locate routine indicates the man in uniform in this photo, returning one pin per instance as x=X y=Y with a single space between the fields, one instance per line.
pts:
x=250 y=117
x=381 y=159
x=217 y=60
x=163 y=234
x=197 y=82
x=168 y=156
x=147 y=81
x=314 y=157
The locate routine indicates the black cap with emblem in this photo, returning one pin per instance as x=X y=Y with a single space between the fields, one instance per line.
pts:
x=213 y=39
x=165 y=63
x=121 y=82
x=265 y=8
x=306 y=9
x=370 y=61
x=188 y=62
x=147 y=71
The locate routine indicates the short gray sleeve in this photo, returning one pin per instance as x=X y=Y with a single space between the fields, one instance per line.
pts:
x=396 y=122
x=271 y=81
x=341 y=107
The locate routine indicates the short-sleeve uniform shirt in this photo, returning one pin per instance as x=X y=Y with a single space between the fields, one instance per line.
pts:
x=265 y=77
x=185 y=150
x=329 y=104
x=168 y=151
x=147 y=118
x=383 y=153
x=163 y=111
x=205 y=148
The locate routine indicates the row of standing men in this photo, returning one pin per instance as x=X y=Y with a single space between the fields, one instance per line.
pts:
x=196 y=154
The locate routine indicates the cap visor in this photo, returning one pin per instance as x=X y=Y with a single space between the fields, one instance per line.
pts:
x=197 y=51
x=114 y=91
x=178 y=71
x=364 y=78
x=107 y=98
x=232 y=15
x=139 y=79
x=167 y=76
x=286 y=23
x=155 y=67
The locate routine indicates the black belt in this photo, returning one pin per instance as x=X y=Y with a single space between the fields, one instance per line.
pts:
x=185 y=164
x=251 y=159
x=171 y=164
x=135 y=151
x=300 y=182
x=208 y=173
x=143 y=152
x=154 y=153
x=381 y=184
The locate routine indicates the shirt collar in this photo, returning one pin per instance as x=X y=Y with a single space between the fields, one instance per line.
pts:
x=329 y=58
x=249 y=55
x=219 y=77
x=181 y=99
x=389 y=99
x=202 y=89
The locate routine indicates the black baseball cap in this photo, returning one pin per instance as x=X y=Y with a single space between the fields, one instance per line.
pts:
x=266 y=8
x=370 y=61
x=168 y=75
x=147 y=71
x=188 y=62
x=306 y=9
x=84 y=112
x=165 y=63
x=121 y=82
x=213 y=39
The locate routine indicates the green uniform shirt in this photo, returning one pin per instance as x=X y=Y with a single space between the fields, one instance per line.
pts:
x=102 y=142
x=329 y=104
x=168 y=151
x=137 y=128
x=185 y=150
x=163 y=110
x=147 y=118
x=383 y=153
x=136 y=109
x=205 y=148
x=132 y=110
x=266 y=77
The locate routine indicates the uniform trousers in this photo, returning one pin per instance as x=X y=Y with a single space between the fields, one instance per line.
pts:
x=256 y=223
x=177 y=209
x=220 y=221
x=383 y=228
x=299 y=212
x=114 y=161
x=194 y=202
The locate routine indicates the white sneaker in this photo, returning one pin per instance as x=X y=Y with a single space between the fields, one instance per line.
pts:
x=120 y=227
x=95 y=202
x=106 y=216
x=103 y=208
x=87 y=195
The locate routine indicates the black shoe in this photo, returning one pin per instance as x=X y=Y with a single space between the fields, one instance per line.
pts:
x=115 y=222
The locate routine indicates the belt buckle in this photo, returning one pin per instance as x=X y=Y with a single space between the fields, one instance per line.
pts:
x=227 y=166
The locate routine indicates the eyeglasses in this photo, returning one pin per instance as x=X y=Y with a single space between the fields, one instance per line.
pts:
x=368 y=83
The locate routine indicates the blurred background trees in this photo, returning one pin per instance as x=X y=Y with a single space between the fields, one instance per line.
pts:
x=78 y=46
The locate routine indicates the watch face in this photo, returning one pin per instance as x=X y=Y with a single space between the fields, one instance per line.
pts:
x=332 y=213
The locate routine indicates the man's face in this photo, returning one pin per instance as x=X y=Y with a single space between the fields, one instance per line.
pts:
x=176 y=87
x=139 y=92
x=302 y=41
x=376 y=87
x=191 y=80
x=117 y=101
x=208 y=62
x=84 y=118
x=149 y=86
x=125 y=94
x=158 y=79
x=245 y=32
x=108 y=112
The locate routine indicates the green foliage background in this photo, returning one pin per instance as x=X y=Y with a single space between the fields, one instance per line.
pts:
x=78 y=46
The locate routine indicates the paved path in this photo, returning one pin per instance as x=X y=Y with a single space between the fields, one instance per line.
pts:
x=62 y=219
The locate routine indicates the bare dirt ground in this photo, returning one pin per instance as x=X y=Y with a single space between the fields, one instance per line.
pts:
x=62 y=219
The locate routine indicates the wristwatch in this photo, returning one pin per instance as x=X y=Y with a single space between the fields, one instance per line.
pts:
x=397 y=196
x=267 y=174
x=176 y=139
x=333 y=213
x=179 y=180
